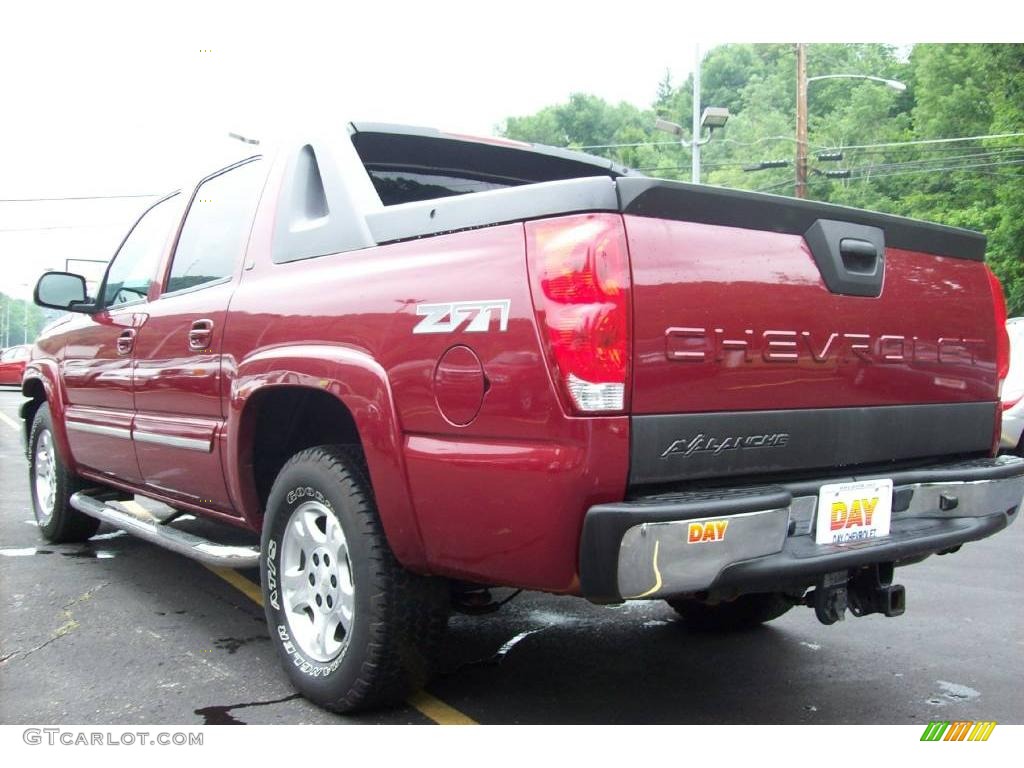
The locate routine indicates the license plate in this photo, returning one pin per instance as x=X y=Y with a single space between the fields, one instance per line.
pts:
x=849 y=512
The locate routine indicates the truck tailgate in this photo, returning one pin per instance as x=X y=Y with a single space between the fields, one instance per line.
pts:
x=773 y=334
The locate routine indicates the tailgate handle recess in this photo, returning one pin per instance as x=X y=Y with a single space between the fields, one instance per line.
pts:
x=850 y=257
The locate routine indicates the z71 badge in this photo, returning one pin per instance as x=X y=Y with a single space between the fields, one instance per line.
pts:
x=448 y=317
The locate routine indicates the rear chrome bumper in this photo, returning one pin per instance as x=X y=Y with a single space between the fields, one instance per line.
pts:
x=639 y=549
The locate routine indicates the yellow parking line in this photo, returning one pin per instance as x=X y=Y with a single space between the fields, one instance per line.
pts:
x=438 y=711
x=239 y=582
x=10 y=422
x=429 y=706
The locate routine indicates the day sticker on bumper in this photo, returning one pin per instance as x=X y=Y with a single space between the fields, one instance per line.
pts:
x=849 y=512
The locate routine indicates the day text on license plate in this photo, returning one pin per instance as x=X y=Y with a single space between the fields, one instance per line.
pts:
x=849 y=512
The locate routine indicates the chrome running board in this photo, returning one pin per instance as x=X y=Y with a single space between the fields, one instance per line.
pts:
x=174 y=539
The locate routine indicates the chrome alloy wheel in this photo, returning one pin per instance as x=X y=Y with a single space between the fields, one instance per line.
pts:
x=317 y=592
x=44 y=465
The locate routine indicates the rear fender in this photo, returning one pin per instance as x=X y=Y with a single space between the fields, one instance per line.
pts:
x=361 y=384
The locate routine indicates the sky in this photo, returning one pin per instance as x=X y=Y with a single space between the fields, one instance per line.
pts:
x=101 y=99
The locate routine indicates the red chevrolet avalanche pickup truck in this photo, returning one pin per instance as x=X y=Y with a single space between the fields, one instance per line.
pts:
x=422 y=365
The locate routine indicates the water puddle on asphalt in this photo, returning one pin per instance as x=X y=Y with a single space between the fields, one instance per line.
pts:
x=107 y=536
x=496 y=658
x=952 y=693
x=232 y=644
x=25 y=552
x=223 y=716
x=92 y=554
x=88 y=553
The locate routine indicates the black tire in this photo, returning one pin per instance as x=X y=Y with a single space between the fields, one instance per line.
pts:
x=745 y=612
x=61 y=523
x=399 y=618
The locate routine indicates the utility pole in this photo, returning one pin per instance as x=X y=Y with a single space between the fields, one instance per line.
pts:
x=695 y=154
x=800 y=188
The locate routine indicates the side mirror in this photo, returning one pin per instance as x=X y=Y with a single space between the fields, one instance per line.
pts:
x=62 y=290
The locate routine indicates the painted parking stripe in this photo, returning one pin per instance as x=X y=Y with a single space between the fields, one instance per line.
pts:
x=429 y=706
x=10 y=422
x=239 y=582
x=438 y=711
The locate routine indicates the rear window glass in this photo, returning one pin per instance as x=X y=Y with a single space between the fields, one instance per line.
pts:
x=409 y=167
x=408 y=186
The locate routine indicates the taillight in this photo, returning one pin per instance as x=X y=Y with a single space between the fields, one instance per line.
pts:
x=579 y=278
x=1002 y=337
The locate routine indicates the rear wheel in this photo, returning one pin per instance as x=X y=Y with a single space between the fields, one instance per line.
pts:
x=52 y=486
x=353 y=628
x=745 y=612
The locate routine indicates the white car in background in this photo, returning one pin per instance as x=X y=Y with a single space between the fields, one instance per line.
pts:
x=1013 y=389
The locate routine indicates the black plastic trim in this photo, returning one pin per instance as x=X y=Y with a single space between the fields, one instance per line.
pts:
x=499 y=206
x=814 y=438
x=801 y=559
x=531 y=159
x=836 y=245
x=662 y=199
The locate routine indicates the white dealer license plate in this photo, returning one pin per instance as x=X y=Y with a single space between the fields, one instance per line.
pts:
x=849 y=512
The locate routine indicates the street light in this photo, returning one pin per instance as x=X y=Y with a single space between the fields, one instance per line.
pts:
x=711 y=118
x=896 y=85
x=802 y=81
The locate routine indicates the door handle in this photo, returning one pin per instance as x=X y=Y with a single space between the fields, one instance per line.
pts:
x=126 y=341
x=858 y=256
x=200 y=334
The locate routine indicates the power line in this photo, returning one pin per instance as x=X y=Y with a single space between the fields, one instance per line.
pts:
x=824 y=147
x=927 y=149
x=925 y=141
x=63 y=226
x=967 y=167
x=925 y=161
x=676 y=143
x=57 y=199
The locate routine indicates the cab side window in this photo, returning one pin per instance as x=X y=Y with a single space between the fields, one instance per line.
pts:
x=216 y=229
x=133 y=268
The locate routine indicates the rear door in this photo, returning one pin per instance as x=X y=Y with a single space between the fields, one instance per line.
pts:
x=96 y=358
x=178 y=366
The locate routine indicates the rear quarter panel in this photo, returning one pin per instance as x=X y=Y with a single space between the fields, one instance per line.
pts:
x=500 y=500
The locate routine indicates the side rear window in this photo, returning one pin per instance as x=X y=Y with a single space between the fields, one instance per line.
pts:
x=216 y=229
x=134 y=266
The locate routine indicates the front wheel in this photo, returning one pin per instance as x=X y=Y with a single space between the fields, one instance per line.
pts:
x=745 y=612
x=52 y=486
x=353 y=628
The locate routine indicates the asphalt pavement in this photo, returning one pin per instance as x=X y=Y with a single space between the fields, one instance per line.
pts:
x=120 y=631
